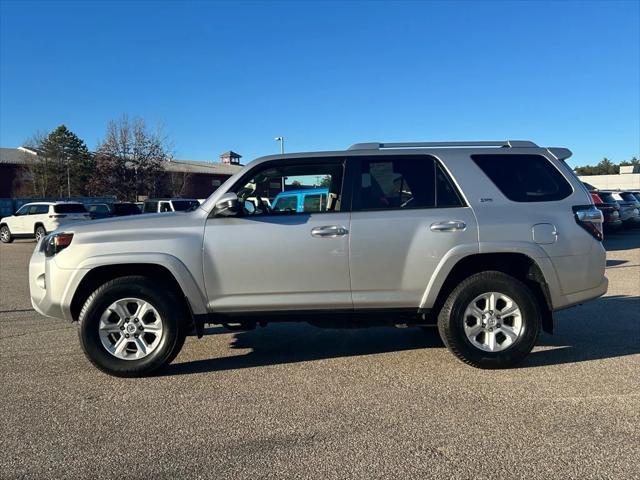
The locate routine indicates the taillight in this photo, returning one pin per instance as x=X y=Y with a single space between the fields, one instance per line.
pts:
x=589 y=218
x=56 y=242
x=57 y=216
x=596 y=198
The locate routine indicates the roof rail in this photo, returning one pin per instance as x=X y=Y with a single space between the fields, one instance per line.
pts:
x=500 y=143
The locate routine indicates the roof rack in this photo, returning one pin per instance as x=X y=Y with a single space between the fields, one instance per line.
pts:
x=500 y=143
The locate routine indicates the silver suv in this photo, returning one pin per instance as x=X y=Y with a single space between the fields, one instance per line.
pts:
x=483 y=239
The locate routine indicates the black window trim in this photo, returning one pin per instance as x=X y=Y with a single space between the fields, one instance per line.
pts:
x=356 y=162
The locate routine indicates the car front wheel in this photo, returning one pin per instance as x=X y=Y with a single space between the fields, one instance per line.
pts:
x=5 y=234
x=131 y=327
x=490 y=320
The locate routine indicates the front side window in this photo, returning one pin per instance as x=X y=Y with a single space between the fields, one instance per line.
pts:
x=524 y=178
x=281 y=189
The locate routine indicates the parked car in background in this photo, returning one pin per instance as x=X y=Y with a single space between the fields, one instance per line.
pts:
x=98 y=210
x=300 y=201
x=102 y=210
x=636 y=193
x=629 y=208
x=157 y=205
x=35 y=220
x=610 y=211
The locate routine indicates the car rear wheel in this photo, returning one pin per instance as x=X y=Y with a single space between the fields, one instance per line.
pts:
x=5 y=234
x=490 y=320
x=131 y=327
x=40 y=233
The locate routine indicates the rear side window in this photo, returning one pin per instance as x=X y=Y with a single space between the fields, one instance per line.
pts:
x=524 y=178
x=404 y=182
x=69 y=208
x=315 y=203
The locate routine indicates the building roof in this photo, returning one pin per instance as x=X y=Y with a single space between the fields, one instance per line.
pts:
x=21 y=156
x=231 y=153
x=199 y=166
x=15 y=156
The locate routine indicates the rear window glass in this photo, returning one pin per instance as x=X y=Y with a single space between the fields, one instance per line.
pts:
x=98 y=208
x=150 y=207
x=125 y=209
x=183 y=205
x=628 y=197
x=69 y=208
x=524 y=178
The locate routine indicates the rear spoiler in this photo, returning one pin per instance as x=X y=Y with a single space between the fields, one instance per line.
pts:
x=560 y=153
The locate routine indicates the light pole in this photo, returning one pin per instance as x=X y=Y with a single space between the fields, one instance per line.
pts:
x=281 y=140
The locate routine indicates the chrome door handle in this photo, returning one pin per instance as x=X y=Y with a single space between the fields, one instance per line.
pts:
x=448 y=226
x=329 y=231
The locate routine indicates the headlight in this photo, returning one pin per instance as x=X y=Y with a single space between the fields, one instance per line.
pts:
x=56 y=242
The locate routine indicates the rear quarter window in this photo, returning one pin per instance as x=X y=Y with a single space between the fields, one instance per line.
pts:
x=524 y=178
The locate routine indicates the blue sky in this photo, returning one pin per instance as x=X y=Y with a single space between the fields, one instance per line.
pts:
x=223 y=76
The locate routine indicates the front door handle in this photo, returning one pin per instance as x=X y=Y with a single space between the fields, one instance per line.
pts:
x=329 y=231
x=448 y=226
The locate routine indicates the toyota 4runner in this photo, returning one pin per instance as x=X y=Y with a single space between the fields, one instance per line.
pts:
x=483 y=239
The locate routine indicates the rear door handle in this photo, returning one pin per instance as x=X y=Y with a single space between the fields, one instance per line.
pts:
x=448 y=226
x=329 y=231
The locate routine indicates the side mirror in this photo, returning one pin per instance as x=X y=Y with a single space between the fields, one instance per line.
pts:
x=227 y=206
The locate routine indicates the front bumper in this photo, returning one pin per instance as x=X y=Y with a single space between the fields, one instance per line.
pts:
x=51 y=287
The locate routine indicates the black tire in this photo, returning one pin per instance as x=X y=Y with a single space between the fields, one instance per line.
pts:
x=39 y=232
x=5 y=234
x=163 y=299
x=451 y=318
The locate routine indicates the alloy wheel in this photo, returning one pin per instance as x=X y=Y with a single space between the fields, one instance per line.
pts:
x=130 y=328
x=493 y=322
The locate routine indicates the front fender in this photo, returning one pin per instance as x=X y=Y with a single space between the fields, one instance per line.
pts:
x=180 y=272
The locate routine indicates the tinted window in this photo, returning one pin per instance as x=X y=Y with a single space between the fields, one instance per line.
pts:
x=125 y=209
x=628 y=197
x=315 y=203
x=286 y=204
x=183 y=205
x=446 y=193
x=607 y=197
x=38 y=209
x=524 y=178
x=150 y=207
x=402 y=182
x=69 y=208
x=98 y=208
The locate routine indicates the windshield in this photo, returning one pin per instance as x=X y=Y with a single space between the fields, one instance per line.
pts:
x=69 y=208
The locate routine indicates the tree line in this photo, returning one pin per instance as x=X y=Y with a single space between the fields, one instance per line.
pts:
x=605 y=167
x=129 y=162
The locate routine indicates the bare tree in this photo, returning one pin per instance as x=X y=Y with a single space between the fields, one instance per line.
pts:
x=130 y=160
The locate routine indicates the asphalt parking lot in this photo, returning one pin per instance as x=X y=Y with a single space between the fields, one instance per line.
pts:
x=293 y=401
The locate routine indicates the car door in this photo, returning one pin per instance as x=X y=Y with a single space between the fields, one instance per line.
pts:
x=406 y=216
x=267 y=260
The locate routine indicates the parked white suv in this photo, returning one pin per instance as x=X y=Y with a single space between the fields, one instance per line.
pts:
x=35 y=220
x=161 y=205
x=484 y=239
